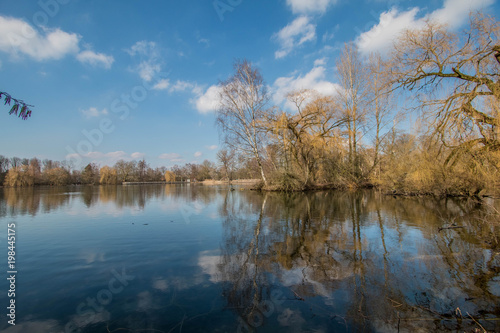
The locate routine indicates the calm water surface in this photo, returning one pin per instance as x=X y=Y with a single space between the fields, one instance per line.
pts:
x=186 y=258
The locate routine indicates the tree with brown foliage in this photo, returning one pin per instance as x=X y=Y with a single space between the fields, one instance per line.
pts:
x=169 y=177
x=108 y=176
x=307 y=134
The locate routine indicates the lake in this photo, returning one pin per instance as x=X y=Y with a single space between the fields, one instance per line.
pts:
x=193 y=258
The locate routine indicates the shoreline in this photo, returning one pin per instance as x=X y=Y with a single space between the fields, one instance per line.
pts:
x=253 y=185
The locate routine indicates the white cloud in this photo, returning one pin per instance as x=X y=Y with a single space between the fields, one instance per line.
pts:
x=294 y=35
x=109 y=158
x=144 y=48
x=185 y=85
x=320 y=62
x=163 y=84
x=180 y=86
x=212 y=147
x=148 y=69
x=95 y=59
x=314 y=80
x=149 y=56
x=93 y=112
x=198 y=154
x=392 y=23
x=456 y=12
x=18 y=37
x=172 y=157
x=137 y=156
x=309 y=6
x=208 y=101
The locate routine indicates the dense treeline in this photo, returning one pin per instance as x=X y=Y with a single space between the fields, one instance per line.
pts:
x=424 y=119
x=28 y=172
x=19 y=172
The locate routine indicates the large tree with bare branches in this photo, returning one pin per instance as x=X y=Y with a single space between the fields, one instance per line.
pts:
x=456 y=76
x=243 y=105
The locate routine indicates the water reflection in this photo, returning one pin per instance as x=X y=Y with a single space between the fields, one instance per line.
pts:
x=33 y=201
x=358 y=261
x=30 y=201
x=208 y=258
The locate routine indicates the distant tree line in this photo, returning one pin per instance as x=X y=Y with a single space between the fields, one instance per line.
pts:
x=19 y=172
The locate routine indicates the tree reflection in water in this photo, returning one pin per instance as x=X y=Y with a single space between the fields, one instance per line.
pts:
x=358 y=261
x=325 y=261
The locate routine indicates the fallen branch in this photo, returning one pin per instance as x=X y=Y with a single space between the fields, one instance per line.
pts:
x=297 y=295
x=452 y=227
x=484 y=331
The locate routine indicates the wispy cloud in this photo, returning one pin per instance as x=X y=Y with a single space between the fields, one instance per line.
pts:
x=172 y=157
x=109 y=158
x=310 y=6
x=144 y=48
x=295 y=34
x=137 y=155
x=95 y=59
x=149 y=56
x=198 y=154
x=93 y=112
x=163 y=84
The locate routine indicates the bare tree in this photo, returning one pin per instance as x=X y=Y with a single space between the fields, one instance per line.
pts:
x=352 y=76
x=141 y=169
x=380 y=102
x=227 y=158
x=243 y=105
x=125 y=170
x=4 y=164
x=456 y=78
x=15 y=162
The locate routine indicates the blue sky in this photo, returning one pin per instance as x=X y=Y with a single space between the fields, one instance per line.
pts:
x=114 y=80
